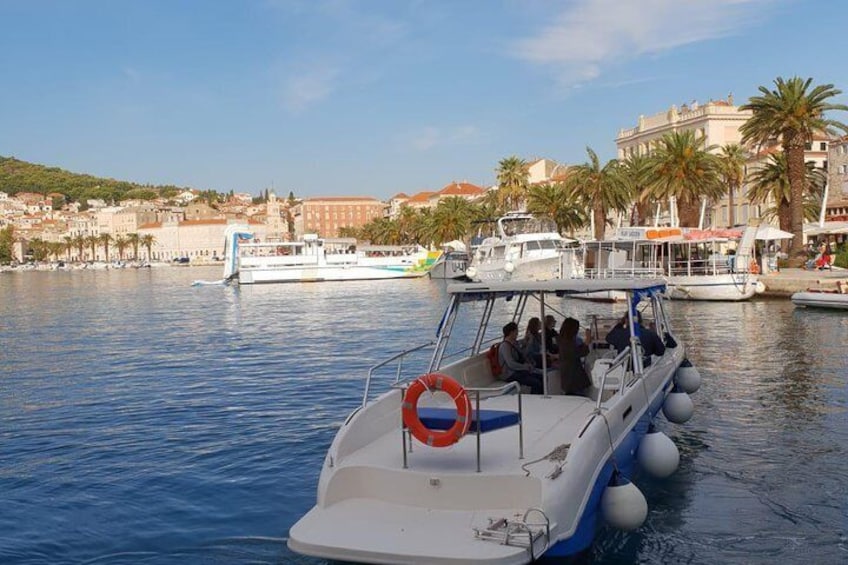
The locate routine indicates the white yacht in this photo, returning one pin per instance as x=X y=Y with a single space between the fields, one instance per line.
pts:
x=315 y=259
x=455 y=466
x=524 y=248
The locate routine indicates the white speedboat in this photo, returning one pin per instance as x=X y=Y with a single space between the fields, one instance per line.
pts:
x=524 y=248
x=455 y=466
x=315 y=259
x=450 y=265
x=811 y=298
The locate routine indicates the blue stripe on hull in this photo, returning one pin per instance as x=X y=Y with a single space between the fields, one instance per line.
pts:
x=625 y=456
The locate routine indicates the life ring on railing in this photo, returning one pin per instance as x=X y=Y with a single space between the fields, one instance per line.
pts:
x=409 y=410
x=753 y=267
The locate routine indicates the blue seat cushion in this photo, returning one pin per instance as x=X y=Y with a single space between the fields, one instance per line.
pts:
x=488 y=420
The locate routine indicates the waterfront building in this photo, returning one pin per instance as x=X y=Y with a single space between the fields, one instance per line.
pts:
x=198 y=240
x=325 y=216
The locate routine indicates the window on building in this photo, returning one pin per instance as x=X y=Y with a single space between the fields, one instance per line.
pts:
x=808 y=146
x=823 y=146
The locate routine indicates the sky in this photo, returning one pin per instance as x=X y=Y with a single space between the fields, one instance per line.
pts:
x=376 y=97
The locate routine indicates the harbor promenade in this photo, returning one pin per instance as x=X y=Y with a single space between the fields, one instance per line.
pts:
x=788 y=281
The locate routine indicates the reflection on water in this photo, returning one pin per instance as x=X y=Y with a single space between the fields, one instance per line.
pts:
x=145 y=420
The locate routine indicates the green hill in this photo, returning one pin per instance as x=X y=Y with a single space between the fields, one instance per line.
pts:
x=20 y=176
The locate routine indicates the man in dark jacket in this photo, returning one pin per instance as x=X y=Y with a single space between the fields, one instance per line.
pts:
x=619 y=337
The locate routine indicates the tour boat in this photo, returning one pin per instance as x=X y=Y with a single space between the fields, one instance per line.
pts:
x=691 y=261
x=813 y=298
x=451 y=465
x=525 y=248
x=315 y=259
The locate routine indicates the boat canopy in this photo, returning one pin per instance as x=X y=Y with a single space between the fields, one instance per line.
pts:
x=561 y=287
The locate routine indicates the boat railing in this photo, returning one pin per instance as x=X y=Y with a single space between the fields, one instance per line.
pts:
x=620 y=360
x=399 y=357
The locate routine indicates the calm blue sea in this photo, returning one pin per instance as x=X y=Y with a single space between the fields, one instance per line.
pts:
x=143 y=420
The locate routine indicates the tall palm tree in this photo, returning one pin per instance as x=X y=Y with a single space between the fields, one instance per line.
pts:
x=105 y=240
x=731 y=167
x=134 y=240
x=513 y=180
x=92 y=241
x=600 y=189
x=68 y=242
x=121 y=244
x=79 y=244
x=770 y=183
x=792 y=112
x=634 y=171
x=552 y=201
x=147 y=240
x=683 y=169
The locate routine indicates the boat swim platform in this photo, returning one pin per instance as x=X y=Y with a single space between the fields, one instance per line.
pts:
x=787 y=282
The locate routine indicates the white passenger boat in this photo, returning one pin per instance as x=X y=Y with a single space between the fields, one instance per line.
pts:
x=691 y=261
x=518 y=476
x=524 y=248
x=315 y=259
x=812 y=298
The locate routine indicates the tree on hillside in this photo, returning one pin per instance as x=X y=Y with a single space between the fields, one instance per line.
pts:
x=7 y=240
x=513 y=180
x=601 y=189
x=682 y=168
x=792 y=112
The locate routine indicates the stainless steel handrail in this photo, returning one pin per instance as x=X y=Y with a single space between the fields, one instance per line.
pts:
x=400 y=356
x=620 y=360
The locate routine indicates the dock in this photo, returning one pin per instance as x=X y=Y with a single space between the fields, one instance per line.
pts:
x=789 y=281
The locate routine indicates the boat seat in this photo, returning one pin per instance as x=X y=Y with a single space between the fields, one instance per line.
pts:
x=488 y=420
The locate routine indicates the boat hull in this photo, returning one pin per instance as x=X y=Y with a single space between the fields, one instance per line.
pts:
x=831 y=300
x=726 y=287
x=325 y=274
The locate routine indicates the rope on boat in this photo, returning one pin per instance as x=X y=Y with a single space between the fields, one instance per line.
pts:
x=558 y=454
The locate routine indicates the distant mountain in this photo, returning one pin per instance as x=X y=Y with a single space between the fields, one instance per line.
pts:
x=20 y=176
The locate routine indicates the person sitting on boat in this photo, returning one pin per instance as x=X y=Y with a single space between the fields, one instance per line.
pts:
x=550 y=334
x=572 y=351
x=514 y=366
x=531 y=344
x=619 y=337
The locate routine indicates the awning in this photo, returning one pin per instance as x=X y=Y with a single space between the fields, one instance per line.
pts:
x=769 y=233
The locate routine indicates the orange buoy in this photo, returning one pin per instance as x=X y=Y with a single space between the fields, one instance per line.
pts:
x=409 y=410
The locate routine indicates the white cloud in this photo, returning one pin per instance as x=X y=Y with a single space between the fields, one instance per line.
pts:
x=590 y=35
x=303 y=90
x=429 y=137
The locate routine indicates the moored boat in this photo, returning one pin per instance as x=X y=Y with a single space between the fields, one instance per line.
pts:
x=487 y=473
x=315 y=259
x=815 y=298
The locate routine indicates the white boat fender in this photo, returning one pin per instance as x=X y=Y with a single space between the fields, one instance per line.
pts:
x=760 y=288
x=678 y=407
x=623 y=505
x=687 y=378
x=471 y=272
x=657 y=454
x=509 y=266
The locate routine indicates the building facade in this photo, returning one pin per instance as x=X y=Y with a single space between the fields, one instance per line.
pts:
x=326 y=216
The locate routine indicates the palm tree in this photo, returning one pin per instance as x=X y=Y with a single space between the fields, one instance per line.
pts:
x=770 y=183
x=600 y=189
x=683 y=169
x=134 y=240
x=450 y=220
x=105 y=239
x=513 y=179
x=68 y=242
x=121 y=244
x=792 y=112
x=552 y=201
x=79 y=244
x=92 y=241
x=634 y=170
x=731 y=167
x=147 y=240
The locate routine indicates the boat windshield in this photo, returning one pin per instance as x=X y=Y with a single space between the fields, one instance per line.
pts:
x=524 y=224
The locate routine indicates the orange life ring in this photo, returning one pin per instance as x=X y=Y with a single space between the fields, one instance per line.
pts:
x=409 y=409
x=754 y=268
